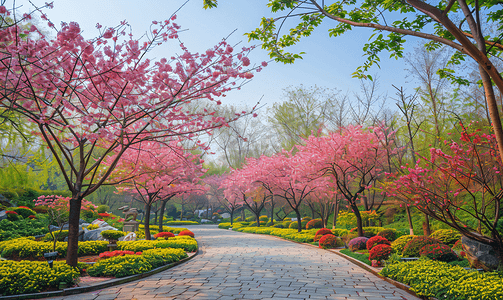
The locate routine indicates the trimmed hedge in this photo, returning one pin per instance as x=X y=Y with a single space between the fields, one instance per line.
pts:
x=377 y=240
x=330 y=241
x=415 y=245
x=22 y=277
x=400 y=243
x=316 y=223
x=440 y=280
x=180 y=223
x=359 y=243
x=121 y=266
x=28 y=248
x=446 y=236
x=183 y=242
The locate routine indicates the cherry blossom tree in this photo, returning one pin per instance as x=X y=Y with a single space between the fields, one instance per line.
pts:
x=216 y=190
x=459 y=186
x=353 y=158
x=156 y=171
x=90 y=98
x=291 y=178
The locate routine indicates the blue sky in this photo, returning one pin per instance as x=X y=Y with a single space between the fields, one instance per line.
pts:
x=328 y=62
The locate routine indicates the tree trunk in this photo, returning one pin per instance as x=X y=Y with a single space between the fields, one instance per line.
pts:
x=336 y=213
x=272 y=213
x=161 y=214
x=243 y=215
x=426 y=225
x=73 y=230
x=232 y=214
x=257 y=217
x=299 y=225
x=181 y=212
x=147 y=222
x=409 y=218
x=359 y=221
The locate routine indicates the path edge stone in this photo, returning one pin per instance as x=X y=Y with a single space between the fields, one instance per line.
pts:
x=101 y=285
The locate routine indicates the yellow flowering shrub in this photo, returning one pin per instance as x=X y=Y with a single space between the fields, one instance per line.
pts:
x=443 y=281
x=175 y=230
x=186 y=243
x=305 y=236
x=30 y=277
x=121 y=266
x=28 y=248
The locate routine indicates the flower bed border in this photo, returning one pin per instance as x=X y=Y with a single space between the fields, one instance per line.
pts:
x=104 y=284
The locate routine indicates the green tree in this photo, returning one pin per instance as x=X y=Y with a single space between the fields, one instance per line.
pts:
x=459 y=24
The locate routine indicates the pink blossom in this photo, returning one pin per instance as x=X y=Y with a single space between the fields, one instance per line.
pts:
x=108 y=33
x=3 y=10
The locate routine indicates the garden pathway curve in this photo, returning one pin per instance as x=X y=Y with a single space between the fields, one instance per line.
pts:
x=233 y=265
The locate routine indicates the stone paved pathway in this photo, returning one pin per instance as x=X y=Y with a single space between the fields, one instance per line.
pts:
x=233 y=265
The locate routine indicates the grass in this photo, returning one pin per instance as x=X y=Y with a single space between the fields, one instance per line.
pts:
x=364 y=258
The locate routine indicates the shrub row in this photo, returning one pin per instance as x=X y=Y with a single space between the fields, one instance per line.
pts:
x=30 y=277
x=155 y=229
x=180 y=223
x=180 y=242
x=305 y=236
x=121 y=266
x=440 y=280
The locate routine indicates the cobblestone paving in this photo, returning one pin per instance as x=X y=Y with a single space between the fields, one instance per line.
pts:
x=234 y=265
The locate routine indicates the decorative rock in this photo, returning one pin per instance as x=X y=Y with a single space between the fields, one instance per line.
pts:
x=100 y=223
x=3 y=215
x=129 y=237
x=480 y=256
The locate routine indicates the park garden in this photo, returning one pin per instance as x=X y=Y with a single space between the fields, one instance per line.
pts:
x=94 y=133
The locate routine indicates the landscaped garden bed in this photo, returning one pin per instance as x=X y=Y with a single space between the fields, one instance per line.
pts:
x=24 y=270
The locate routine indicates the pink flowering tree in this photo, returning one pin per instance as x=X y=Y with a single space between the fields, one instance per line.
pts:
x=154 y=171
x=460 y=186
x=241 y=188
x=91 y=98
x=216 y=185
x=290 y=178
x=352 y=158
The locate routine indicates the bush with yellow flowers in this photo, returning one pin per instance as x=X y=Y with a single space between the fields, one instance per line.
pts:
x=186 y=243
x=21 y=277
x=443 y=281
x=29 y=248
x=121 y=266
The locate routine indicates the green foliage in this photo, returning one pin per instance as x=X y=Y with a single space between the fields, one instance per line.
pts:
x=348 y=219
x=400 y=243
x=33 y=276
x=24 y=212
x=59 y=235
x=112 y=234
x=22 y=228
x=103 y=208
x=389 y=234
x=415 y=245
x=363 y=257
x=305 y=236
x=263 y=218
x=443 y=281
x=446 y=236
x=155 y=228
x=224 y=225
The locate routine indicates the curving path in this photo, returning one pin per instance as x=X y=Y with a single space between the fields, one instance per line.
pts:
x=234 y=265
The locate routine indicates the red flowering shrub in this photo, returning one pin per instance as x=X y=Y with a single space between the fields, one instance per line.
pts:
x=413 y=246
x=359 y=243
x=186 y=232
x=317 y=238
x=438 y=252
x=380 y=252
x=316 y=223
x=323 y=231
x=329 y=241
x=24 y=207
x=104 y=215
x=23 y=211
x=108 y=254
x=164 y=235
x=10 y=212
x=32 y=217
x=377 y=240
